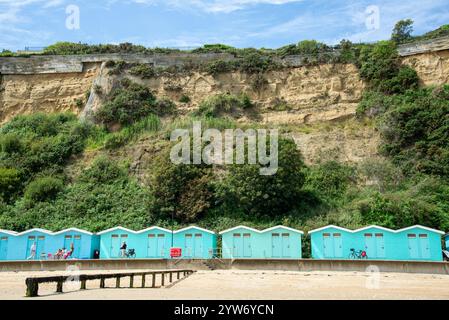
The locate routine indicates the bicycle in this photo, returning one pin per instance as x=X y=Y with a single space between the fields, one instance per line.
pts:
x=358 y=254
x=130 y=254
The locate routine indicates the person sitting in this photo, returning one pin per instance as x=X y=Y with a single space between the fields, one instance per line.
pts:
x=67 y=255
x=58 y=254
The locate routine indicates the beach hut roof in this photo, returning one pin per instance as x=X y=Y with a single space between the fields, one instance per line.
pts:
x=13 y=233
x=377 y=227
x=194 y=227
x=117 y=228
x=34 y=230
x=330 y=227
x=73 y=229
x=421 y=227
x=153 y=228
x=263 y=231
x=282 y=227
x=239 y=227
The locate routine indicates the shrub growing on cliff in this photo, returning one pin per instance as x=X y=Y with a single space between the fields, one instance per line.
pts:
x=184 y=191
x=380 y=66
x=43 y=189
x=416 y=131
x=260 y=195
x=143 y=71
x=223 y=104
x=32 y=144
x=131 y=103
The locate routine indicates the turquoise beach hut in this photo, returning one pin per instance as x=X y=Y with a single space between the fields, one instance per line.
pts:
x=84 y=243
x=195 y=242
x=17 y=246
x=412 y=243
x=112 y=239
x=153 y=243
x=5 y=236
x=273 y=243
x=20 y=245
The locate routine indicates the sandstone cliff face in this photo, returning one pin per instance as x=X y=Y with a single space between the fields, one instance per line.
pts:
x=432 y=67
x=300 y=97
x=293 y=95
x=26 y=94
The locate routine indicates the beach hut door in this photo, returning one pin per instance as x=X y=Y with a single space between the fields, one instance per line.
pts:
x=276 y=243
x=247 y=252
x=425 y=246
x=40 y=248
x=286 y=245
x=67 y=242
x=3 y=248
x=31 y=240
x=198 y=245
x=328 y=247
x=237 y=245
x=115 y=246
x=413 y=246
x=152 y=246
x=189 y=245
x=77 y=245
x=338 y=245
x=380 y=245
x=160 y=245
x=369 y=245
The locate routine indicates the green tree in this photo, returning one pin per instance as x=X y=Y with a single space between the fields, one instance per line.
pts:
x=43 y=189
x=184 y=191
x=256 y=194
x=10 y=181
x=402 y=31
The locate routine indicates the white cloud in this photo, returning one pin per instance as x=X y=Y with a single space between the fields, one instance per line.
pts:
x=215 y=6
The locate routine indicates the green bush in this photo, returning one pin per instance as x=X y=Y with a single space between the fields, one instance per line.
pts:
x=381 y=67
x=416 y=131
x=246 y=189
x=183 y=191
x=11 y=143
x=184 y=99
x=43 y=189
x=103 y=170
x=223 y=104
x=10 y=181
x=330 y=180
x=130 y=103
x=143 y=71
x=37 y=143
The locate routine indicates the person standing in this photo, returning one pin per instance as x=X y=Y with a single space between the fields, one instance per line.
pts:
x=123 y=249
x=32 y=252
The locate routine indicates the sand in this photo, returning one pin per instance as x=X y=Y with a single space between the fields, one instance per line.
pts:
x=248 y=285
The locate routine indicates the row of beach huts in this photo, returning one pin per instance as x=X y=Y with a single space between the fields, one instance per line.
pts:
x=280 y=242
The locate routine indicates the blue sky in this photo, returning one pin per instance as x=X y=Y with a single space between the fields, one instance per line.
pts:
x=185 y=23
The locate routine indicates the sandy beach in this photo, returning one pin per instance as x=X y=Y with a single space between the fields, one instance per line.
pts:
x=243 y=285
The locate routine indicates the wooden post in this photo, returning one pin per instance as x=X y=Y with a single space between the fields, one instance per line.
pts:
x=162 y=279
x=59 y=287
x=32 y=288
x=179 y=274
x=102 y=283
x=143 y=281
x=131 y=281
x=117 y=282
x=83 y=285
x=153 y=285
x=171 y=276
